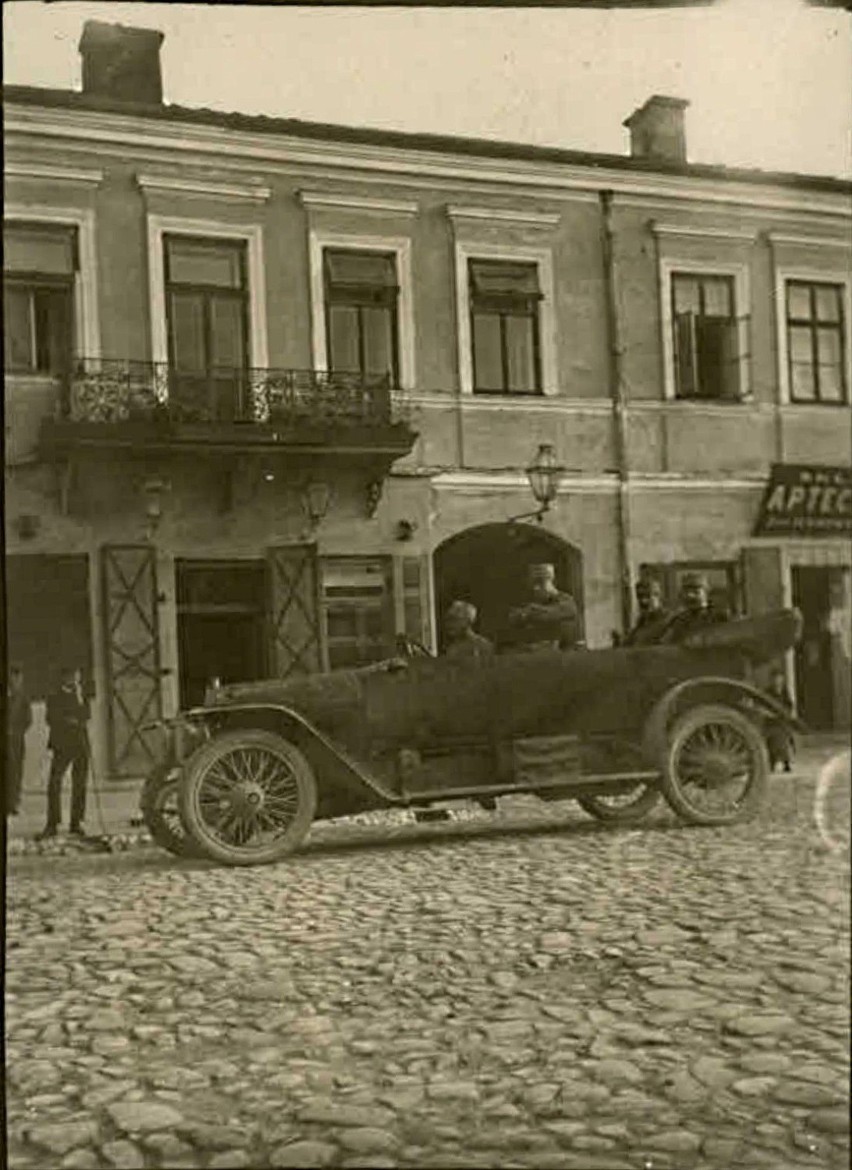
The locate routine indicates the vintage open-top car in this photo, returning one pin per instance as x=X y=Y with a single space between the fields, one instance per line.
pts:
x=244 y=776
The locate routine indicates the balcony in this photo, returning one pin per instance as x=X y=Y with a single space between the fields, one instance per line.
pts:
x=149 y=408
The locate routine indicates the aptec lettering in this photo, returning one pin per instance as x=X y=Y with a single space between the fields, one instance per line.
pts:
x=811 y=500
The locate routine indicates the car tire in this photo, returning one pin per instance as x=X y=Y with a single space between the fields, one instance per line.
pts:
x=642 y=803
x=707 y=748
x=158 y=804
x=263 y=790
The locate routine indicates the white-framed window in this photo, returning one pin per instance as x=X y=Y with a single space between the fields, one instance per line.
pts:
x=704 y=308
x=505 y=318
x=50 y=288
x=362 y=309
x=813 y=312
x=201 y=236
x=357 y=610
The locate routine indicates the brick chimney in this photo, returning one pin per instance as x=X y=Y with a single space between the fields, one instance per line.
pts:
x=121 y=63
x=657 y=130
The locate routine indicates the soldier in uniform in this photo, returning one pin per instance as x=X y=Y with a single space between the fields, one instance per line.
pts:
x=462 y=639
x=67 y=717
x=695 y=612
x=549 y=620
x=652 y=617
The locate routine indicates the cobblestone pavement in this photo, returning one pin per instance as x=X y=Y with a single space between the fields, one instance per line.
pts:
x=525 y=990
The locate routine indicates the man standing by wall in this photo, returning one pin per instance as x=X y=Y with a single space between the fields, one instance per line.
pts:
x=67 y=716
x=550 y=620
x=19 y=717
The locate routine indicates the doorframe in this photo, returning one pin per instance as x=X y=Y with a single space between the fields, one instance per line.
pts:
x=815 y=554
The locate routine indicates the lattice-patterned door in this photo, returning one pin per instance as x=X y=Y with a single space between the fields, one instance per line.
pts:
x=132 y=646
x=295 y=644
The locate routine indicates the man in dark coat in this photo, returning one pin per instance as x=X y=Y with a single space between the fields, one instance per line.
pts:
x=67 y=716
x=695 y=612
x=550 y=619
x=462 y=640
x=652 y=617
x=19 y=717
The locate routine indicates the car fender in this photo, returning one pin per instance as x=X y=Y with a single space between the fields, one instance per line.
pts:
x=335 y=768
x=756 y=704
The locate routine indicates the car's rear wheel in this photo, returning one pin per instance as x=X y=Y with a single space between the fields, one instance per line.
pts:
x=158 y=804
x=623 y=808
x=715 y=768
x=247 y=797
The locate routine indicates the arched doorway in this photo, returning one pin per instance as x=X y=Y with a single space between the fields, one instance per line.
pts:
x=488 y=565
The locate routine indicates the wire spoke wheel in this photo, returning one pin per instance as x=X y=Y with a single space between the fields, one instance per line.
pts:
x=715 y=766
x=247 y=797
x=621 y=807
x=158 y=804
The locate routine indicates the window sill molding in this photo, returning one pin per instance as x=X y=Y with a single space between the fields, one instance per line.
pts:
x=333 y=201
x=253 y=193
x=88 y=176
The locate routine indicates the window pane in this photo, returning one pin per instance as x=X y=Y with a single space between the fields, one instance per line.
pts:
x=801 y=344
x=487 y=359
x=370 y=269
x=343 y=338
x=186 y=322
x=803 y=387
x=829 y=347
x=828 y=303
x=18 y=328
x=685 y=355
x=830 y=384
x=378 y=341
x=203 y=262
x=46 y=250
x=227 y=338
x=52 y=313
x=718 y=301
x=520 y=354
x=798 y=301
x=686 y=297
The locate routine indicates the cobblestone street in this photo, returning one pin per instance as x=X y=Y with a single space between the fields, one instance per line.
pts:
x=523 y=989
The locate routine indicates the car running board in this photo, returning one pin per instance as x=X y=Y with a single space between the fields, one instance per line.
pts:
x=576 y=781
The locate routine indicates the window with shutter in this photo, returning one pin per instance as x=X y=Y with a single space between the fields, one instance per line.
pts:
x=706 y=336
x=357 y=608
x=361 y=295
x=504 y=310
x=39 y=266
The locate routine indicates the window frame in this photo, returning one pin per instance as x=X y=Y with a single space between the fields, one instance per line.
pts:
x=86 y=338
x=388 y=609
x=683 y=265
x=207 y=291
x=796 y=275
x=159 y=226
x=389 y=300
x=502 y=313
x=319 y=239
x=468 y=249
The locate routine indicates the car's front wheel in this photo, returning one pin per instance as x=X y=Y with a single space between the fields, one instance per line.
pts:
x=715 y=768
x=624 y=808
x=247 y=797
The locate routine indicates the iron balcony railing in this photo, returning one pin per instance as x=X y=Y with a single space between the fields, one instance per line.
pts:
x=101 y=390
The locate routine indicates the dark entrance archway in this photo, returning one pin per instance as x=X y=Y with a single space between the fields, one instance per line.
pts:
x=488 y=566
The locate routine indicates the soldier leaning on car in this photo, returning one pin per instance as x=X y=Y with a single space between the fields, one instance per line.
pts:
x=462 y=640
x=695 y=612
x=653 y=617
x=550 y=620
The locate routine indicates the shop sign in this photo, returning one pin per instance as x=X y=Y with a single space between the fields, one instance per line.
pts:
x=806 y=500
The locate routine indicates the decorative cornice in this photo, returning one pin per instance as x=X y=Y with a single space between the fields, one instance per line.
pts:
x=322 y=200
x=89 y=176
x=779 y=239
x=255 y=193
x=502 y=215
x=579 y=483
x=679 y=231
x=132 y=131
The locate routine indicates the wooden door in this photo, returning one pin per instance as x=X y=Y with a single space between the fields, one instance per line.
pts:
x=294 y=642
x=132 y=647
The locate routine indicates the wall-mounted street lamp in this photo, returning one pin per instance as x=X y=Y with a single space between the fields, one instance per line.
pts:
x=545 y=476
x=153 y=491
x=316 y=498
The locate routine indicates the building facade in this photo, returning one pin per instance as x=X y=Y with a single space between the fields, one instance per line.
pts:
x=271 y=388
